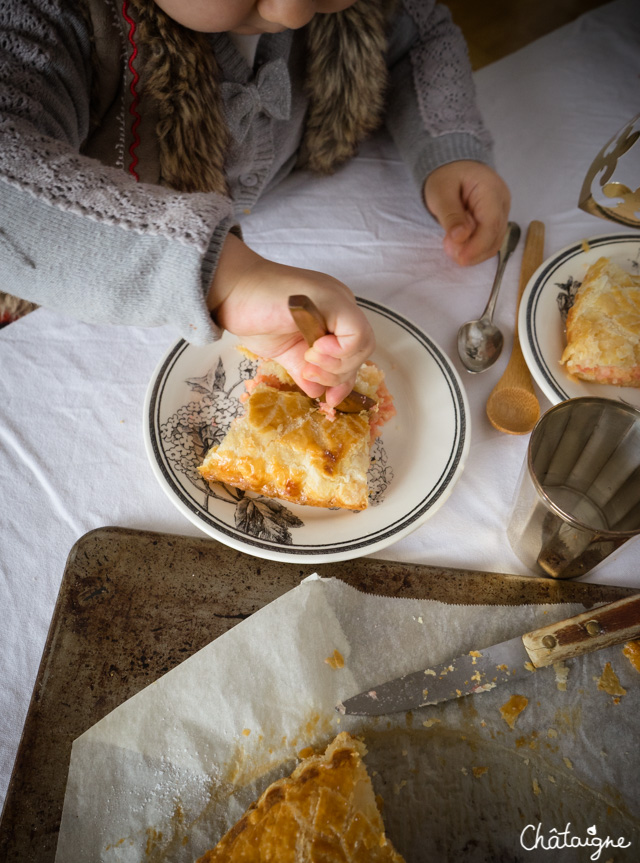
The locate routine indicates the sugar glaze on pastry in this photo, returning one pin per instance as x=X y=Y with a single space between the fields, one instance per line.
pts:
x=603 y=327
x=286 y=446
x=325 y=811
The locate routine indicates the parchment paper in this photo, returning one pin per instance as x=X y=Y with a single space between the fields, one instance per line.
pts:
x=162 y=777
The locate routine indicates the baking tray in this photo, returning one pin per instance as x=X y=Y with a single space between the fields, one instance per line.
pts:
x=134 y=604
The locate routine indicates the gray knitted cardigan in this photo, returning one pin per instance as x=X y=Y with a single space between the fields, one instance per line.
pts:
x=110 y=212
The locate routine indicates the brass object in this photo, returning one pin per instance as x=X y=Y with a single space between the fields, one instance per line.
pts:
x=593 y=627
x=608 y=160
x=549 y=641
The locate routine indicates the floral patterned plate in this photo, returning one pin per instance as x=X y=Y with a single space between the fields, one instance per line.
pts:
x=546 y=300
x=193 y=397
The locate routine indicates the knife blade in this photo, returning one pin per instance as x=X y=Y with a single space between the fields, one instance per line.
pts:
x=482 y=670
x=308 y=318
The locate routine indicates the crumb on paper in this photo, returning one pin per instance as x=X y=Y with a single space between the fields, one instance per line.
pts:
x=585 y=246
x=513 y=708
x=307 y=752
x=425 y=693
x=397 y=788
x=562 y=673
x=536 y=787
x=246 y=731
x=529 y=666
x=632 y=651
x=608 y=682
x=464 y=770
x=551 y=779
x=429 y=722
x=568 y=762
x=479 y=771
x=420 y=620
x=485 y=687
x=551 y=732
x=430 y=671
x=336 y=660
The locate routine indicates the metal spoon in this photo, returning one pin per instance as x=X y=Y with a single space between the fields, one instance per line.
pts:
x=480 y=342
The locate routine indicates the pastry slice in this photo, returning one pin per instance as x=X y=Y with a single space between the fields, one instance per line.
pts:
x=603 y=327
x=325 y=812
x=287 y=446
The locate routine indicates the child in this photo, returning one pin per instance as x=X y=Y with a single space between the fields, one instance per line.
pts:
x=135 y=133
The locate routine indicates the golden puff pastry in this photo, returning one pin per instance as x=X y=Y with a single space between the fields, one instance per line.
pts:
x=286 y=446
x=325 y=812
x=603 y=327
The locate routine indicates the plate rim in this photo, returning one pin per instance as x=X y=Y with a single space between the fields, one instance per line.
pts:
x=305 y=553
x=531 y=297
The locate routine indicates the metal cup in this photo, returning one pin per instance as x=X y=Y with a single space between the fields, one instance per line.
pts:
x=578 y=496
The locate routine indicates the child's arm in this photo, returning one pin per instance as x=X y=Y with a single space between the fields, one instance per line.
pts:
x=249 y=298
x=75 y=234
x=434 y=120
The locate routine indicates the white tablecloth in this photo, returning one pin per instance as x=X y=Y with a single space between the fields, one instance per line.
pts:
x=72 y=456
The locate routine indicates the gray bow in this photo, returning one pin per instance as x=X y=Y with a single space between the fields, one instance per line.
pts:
x=269 y=92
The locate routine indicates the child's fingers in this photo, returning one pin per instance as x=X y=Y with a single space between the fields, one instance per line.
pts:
x=316 y=374
x=334 y=395
x=324 y=361
x=484 y=243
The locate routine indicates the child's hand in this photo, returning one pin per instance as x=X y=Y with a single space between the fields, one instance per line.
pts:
x=249 y=295
x=471 y=202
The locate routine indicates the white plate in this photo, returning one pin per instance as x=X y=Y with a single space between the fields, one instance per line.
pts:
x=540 y=321
x=415 y=463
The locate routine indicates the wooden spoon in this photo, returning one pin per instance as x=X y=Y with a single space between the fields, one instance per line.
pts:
x=513 y=406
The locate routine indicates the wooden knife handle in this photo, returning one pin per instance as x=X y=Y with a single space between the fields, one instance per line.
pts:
x=601 y=627
x=308 y=318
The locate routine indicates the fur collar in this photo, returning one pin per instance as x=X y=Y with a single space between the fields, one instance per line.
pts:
x=346 y=79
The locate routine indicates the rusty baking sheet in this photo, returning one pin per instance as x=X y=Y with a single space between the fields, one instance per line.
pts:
x=134 y=604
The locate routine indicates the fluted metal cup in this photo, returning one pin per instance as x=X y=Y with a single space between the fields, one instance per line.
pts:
x=578 y=496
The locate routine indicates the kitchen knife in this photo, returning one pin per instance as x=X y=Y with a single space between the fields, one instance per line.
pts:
x=482 y=670
x=308 y=318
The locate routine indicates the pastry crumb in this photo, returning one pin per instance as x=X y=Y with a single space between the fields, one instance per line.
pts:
x=536 y=787
x=429 y=722
x=568 y=762
x=608 y=681
x=246 y=731
x=513 y=708
x=336 y=660
x=632 y=651
x=307 y=752
x=562 y=673
x=479 y=771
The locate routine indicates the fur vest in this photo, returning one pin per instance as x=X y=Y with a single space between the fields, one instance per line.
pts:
x=173 y=84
